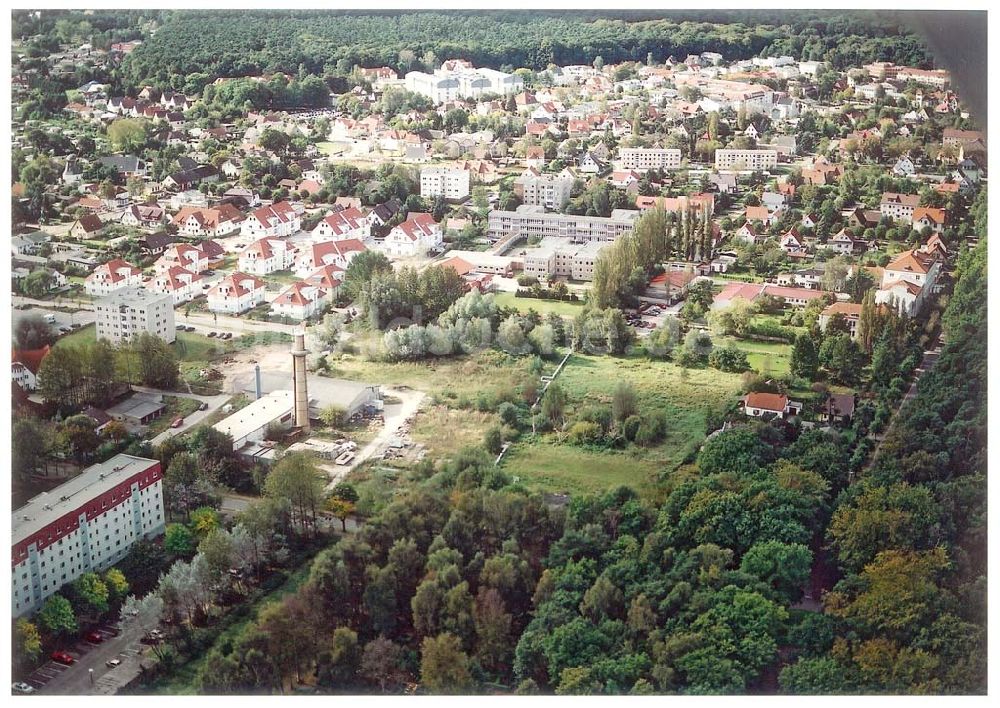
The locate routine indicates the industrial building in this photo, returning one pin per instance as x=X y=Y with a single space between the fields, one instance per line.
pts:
x=86 y=524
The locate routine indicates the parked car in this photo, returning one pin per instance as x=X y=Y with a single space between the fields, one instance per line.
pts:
x=22 y=687
x=228 y=335
x=203 y=406
x=213 y=334
x=178 y=422
x=112 y=663
x=94 y=636
x=62 y=657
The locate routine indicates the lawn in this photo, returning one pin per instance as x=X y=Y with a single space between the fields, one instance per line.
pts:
x=685 y=395
x=281 y=278
x=556 y=467
x=81 y=337
x=193 y=347
x=764 y=357
x=544 y=307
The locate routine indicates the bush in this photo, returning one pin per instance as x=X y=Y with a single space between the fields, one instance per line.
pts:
x=729 y=358
x=493 y=440
x=585 y=433
x=652 y=430
x=509 y=414
x=526 y=281
x=631 y=426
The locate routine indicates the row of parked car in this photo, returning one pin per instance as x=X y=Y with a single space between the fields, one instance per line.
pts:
x=221 y=335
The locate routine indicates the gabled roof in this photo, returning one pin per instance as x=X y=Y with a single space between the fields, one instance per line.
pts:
x=776 y=402
x=326 y=277
x=91 y=223
x=909 y=200
x=912 y=261
x=30 y=358
x=300 y=293
x=235 y=282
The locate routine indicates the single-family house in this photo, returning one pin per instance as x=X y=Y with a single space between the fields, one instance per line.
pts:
x=770 y=405
x=266 y=255
x=180 y=283
x=212 y=222
x=327 y=253
x=111 y=276
x=236 y=293
x=87 y=226
x=144 y=216
x=299 y=301
x=415 y=236
x=276 y=220
x=343 y=224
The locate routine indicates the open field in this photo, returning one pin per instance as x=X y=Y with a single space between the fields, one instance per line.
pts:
x=81 y=337
x=445 y=431
x=764 y=357
x=557 y=467
x=544 y=307
x=487 y=371
x=189 y=346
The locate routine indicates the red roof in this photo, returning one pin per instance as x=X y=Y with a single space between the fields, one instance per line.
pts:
x=31 y=358
x=776 y=402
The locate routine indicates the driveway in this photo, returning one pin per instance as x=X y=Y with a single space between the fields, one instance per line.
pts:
x=395 y=415
x=190 y=420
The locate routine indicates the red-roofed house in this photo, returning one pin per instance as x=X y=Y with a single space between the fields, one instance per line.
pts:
x=178 y=282
x=344 y=224
x=338 y=253
x=202 y=221
x=748 y=233
x=737 y=291
x=184 y=255
x=274 y=221
x=792 y=242
x=936 y=219
x=415 y=236
x=843 y=242
x=908 y=279
x=111 y=276
x=236 y=293
x=299 y=301
x=25 y=364
x=266 y=255
x=769 y=405
x=899 y=207
x=87 y=226
x=327 y=278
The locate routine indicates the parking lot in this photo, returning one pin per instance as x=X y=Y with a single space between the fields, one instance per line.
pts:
x=76 y=676
x=648 y=317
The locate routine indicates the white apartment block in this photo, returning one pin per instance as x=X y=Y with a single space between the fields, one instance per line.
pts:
x=112 y=276
x=750 y=160
x=643 y=159
x=534 y=221
x=444 y=85
x=549 y=191
x=899 y=207
x=87 y=524
x=556 y=257
x=444 y=182
x=133 y=310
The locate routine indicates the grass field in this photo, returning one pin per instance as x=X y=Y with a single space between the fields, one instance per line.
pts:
x=684 y=395
x=555 y=467
x=81 y=337
x=544 y=307
x=765 y=357
x=445 y=430
x=445 y=379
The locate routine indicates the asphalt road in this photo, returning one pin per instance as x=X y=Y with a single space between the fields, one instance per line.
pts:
x=192 y=419
x=63 y=319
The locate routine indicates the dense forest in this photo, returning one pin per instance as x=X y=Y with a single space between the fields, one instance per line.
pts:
x=232 y=44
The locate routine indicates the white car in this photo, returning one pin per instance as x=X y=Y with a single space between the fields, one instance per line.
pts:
x=21 y=687
x=112 y=663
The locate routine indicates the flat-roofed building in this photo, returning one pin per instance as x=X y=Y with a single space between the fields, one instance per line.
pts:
x=748 y=160
x=251 y=423
x=86 y=524
x=558 y=257
x=643 y=159
x=444 y=182
x=549 y=191
x=534 y=221
x=130 y=311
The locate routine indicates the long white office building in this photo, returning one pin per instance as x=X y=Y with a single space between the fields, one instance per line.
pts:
x=87 y=524
x=130 y=311
x=444 y=182
x=643 y=159
x=534 y=221
x=752 y=160
x=562 y=257
x=444 y=85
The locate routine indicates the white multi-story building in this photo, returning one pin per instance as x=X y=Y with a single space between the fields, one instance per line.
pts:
x=112 y=276
x=131 y=311
x=549 y=191
x=299 y=301
x=460 y=80
x=899 y=207
x=556 y=256
x=180 y=283
x=444 y=182
x=531 y=221
x=87 y=524
x=752 y=160
x=643 y=159
x=908 y=280
x=415 y=236
x=345 y=224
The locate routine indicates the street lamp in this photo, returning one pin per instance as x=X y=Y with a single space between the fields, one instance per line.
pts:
x=91 y=673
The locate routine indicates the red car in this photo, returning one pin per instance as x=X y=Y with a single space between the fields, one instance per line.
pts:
x=95 y=637
x=178 y=422
x=62 y=657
